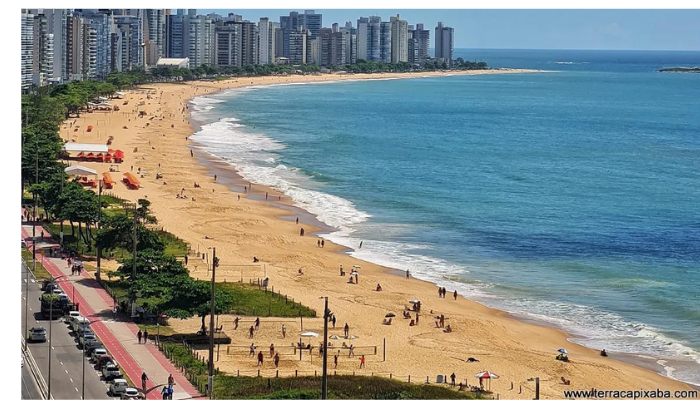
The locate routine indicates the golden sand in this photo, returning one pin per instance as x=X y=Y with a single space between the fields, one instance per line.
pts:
x=242 y=229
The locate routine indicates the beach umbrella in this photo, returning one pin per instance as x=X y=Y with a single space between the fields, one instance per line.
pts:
x=487 y=375
x=390 y=315
x=309 y=334
x=563 y=351
x=356 y=266
x=352 y=337
x=414 y=301
x=334 y=337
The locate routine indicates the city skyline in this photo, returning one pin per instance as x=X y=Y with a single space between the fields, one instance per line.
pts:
x=532 y=29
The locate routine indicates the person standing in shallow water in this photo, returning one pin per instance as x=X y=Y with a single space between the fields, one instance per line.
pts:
x=323 y=242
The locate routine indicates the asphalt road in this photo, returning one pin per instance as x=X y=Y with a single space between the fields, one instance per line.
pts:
x=29 y=388
x=66 y=357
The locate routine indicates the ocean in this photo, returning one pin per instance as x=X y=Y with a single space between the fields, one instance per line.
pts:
x=568 y=198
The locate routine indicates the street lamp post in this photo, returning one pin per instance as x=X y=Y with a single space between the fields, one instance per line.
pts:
x=324 y=379
x=26 y=304
x=215 y=263
x=537 y=386
x=48 y=389
x=99 y=214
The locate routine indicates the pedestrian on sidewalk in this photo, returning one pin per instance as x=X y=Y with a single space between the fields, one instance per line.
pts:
x=171 y=380
x=170 y=393
x=145 y=336
x=164 y=392
x=138 y=335
x=114 y=313
x=144 y=377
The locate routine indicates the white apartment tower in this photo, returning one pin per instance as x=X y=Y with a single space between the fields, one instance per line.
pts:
x=399 y=40
x=266 y=41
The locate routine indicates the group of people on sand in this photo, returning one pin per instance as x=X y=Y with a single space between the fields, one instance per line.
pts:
x=442 y=292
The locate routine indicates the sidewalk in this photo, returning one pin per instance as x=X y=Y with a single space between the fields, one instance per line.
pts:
x=118 y=337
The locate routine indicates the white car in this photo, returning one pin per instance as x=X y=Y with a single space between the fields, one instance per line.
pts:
x=117 y=387
x=72 y=315
x=97 y=353
x=77 y=321
x=111 y=371
x=130 y=393
x=37 y=334
x=86 y=338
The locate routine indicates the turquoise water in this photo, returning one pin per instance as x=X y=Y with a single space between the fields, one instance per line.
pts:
x=568 y=197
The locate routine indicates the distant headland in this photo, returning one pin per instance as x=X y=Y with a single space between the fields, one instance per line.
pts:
x=681 y=69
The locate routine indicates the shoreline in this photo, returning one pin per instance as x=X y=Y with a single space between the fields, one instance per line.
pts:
x=526 y=352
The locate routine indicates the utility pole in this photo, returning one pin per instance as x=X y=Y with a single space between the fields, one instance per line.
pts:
x=99 y=217
x=26 y=306
x=215 y=263
x=36 y=200
x=324 y=380
x=132 y=207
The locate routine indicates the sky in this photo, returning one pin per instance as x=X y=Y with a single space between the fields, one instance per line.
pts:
x=534 y=29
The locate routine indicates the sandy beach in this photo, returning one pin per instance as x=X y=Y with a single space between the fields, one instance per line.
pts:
x=250 y=226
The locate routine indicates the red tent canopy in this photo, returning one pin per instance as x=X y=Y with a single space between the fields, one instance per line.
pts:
x=118 y=154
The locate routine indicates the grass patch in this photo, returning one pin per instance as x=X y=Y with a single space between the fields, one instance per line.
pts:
x=307 y=387
x=249 y=300
x=73 y=243
x=153 y=330
x=40 y=273
x=174 y=246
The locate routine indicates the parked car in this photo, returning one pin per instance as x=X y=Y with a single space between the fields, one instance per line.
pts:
x=37 y=334
x=117 y=387
x=71 y=316
x=130 y=393
x=97 y=353
x=85 y=337
x=111 y=371
x=102 y=361
x=77 y=322
x=90 y=344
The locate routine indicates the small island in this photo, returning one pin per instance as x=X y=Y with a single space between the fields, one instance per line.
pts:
x=681 y=69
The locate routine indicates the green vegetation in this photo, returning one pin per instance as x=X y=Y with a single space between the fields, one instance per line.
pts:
x=249 y=300
x=40 y=272
x=307 y=387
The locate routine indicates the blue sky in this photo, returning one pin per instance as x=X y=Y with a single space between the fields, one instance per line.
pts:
x=537 y=29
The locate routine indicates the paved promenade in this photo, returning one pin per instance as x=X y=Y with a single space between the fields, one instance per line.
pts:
x=118 y=337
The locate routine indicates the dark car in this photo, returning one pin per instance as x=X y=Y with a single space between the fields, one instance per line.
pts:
x=103 y=360
x=91 y=344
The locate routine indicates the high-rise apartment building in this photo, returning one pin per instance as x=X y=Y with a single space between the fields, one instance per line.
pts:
x=155 y=35
x=279 y=41
x=191 y=36
x=328 y=48
x=299 y=47
x=310 y=21
x=27 y=49
x=369 y=39
x=266 y=41
x=350 y=38
x=385 y=42
x=236 y=44
x=130 y=27
x=399 y=40
x=289 y=24
x=102 y=23
x=444 y=43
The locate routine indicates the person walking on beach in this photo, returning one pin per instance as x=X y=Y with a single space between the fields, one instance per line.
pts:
x=284 y=331
x=145 y=336
x=318 y=243
x=352 y=350
x=186 y=259
x=138 y=335
x=455 y=295
x=235 y=323
x=442 y=320
x=265 y=196
x=277 y=360
x=191 y=153
x=252 y=349
x=362 y=361
x=333 y=320
x=335 y=360
x=257 y=323
x=323 y=242
x=347 y=330
x=452 y=378
x=360 y=243
x=144 y=377
x=251 y=331
x=272 y=349
x=214 y=177
x=301 y=232
x=297 y=220
x=260 y=358
x=407 y=274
